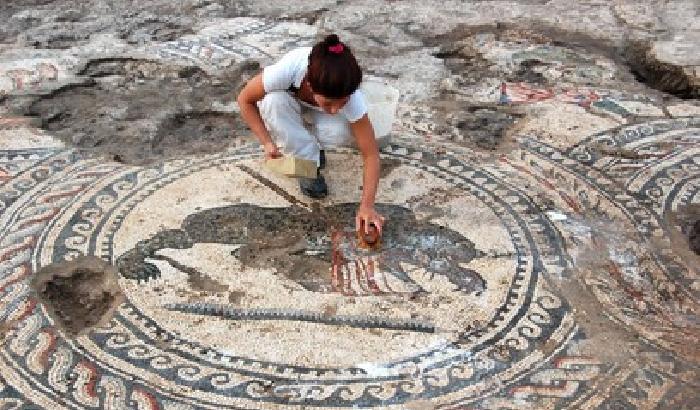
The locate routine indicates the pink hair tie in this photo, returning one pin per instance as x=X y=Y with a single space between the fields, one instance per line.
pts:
x=336 y=49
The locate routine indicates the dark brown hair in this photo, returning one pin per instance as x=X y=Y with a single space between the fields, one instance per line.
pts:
x=333 y=71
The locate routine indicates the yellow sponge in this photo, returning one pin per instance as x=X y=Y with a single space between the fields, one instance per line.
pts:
x=292 y=167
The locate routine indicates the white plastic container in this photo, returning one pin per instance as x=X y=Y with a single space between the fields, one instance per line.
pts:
x=382 y=100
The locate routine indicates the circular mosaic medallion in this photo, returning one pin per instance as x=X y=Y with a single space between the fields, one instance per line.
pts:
x=242 y=294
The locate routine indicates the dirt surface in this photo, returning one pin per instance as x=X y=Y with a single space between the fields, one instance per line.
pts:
x=140 y=111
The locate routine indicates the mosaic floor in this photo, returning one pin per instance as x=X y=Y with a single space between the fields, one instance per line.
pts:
x=550 y=277
x=490 y=325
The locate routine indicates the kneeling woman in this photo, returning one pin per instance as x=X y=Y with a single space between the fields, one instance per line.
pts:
x=322 y=80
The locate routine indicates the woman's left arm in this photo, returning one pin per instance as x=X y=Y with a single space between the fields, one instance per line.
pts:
x=367 y=145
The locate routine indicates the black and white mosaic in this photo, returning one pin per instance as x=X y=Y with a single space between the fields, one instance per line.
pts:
x=211 y=303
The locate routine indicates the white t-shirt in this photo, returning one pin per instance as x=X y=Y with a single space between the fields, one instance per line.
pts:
x=291 y=69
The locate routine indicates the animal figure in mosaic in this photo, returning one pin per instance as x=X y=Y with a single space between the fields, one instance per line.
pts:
x=317 y=250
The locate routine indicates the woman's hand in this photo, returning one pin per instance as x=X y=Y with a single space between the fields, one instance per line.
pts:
x=271 y=151
x=368 y=215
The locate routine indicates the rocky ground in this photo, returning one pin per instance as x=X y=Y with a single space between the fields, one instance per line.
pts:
x=555 y=143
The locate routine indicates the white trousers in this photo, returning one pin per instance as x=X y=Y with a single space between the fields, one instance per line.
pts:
x=284 y=118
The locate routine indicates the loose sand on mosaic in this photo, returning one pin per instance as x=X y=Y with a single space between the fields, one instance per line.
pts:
x=541 y=193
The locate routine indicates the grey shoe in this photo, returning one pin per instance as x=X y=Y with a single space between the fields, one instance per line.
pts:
x=314 y=187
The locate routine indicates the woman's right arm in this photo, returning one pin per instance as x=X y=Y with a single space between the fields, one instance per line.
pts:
x=247 y=102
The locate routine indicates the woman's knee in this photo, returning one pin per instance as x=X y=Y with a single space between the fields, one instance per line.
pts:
x=278 y=103
x=333 y=131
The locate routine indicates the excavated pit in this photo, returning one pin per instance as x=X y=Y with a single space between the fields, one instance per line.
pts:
x=141 y=111
x=683 y=227
x=660 y=75
x=686 y=222
x=79 y=295
x=694 y=237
